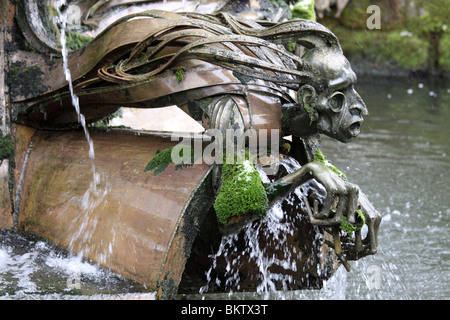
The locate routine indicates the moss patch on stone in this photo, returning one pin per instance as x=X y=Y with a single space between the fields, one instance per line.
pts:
x=160 y=161
x=75 y=41
x=303 y=9
x=163 y=159
x=350 y=228
x=179 y=74
x=241 y=193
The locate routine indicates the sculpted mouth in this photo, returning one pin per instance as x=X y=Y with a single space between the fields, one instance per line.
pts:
x=355 y=128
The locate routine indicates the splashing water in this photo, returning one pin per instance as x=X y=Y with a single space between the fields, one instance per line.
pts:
x=33 y=268
x=257 y=254
x=271 y=247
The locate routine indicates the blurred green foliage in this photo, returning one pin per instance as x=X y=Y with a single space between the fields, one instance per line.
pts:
x=414 y=40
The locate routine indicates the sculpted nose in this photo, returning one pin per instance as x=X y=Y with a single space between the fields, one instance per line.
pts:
x=358 y=106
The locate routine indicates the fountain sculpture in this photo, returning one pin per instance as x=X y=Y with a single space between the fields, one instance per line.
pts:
x=225 y=72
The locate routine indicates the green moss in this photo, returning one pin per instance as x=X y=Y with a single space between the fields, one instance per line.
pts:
x=303 y=9
x=286 y=147
x=179 y=74
x=75 y=41
x=241 y=193
x=162 y=159
x=350 y=228
x=320 y=157
x=6 y=146
x=310 y=111
x=291 y=47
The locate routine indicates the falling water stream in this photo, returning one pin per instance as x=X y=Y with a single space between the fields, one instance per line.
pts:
x=62 y=19
x=94 y=194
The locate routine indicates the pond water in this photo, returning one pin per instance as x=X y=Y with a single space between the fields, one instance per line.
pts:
x=400 y=160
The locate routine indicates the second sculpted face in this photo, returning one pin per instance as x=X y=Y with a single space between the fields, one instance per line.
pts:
x=337 y=108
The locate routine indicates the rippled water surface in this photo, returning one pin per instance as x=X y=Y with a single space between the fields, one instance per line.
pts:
x=400 y=160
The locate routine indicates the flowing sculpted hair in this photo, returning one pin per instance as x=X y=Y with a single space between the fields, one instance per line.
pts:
x=253 y=49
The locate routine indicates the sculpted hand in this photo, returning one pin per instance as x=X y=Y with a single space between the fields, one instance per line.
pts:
x=342 y=196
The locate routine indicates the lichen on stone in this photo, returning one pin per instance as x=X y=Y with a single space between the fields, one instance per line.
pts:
x=25 y=80
x=6 y=146
x=320 y=157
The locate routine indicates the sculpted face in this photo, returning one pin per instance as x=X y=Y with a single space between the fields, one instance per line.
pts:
x=338 y=108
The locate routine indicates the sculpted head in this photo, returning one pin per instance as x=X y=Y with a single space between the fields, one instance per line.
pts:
x=333 y=106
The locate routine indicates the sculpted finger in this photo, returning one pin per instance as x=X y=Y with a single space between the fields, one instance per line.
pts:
x=353 y=196
x=341 y=207
x=329 y=201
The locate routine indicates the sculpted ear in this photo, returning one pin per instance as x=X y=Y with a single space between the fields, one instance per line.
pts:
x=307 y=95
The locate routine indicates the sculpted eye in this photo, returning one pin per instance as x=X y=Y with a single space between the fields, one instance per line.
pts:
x=337 y=100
